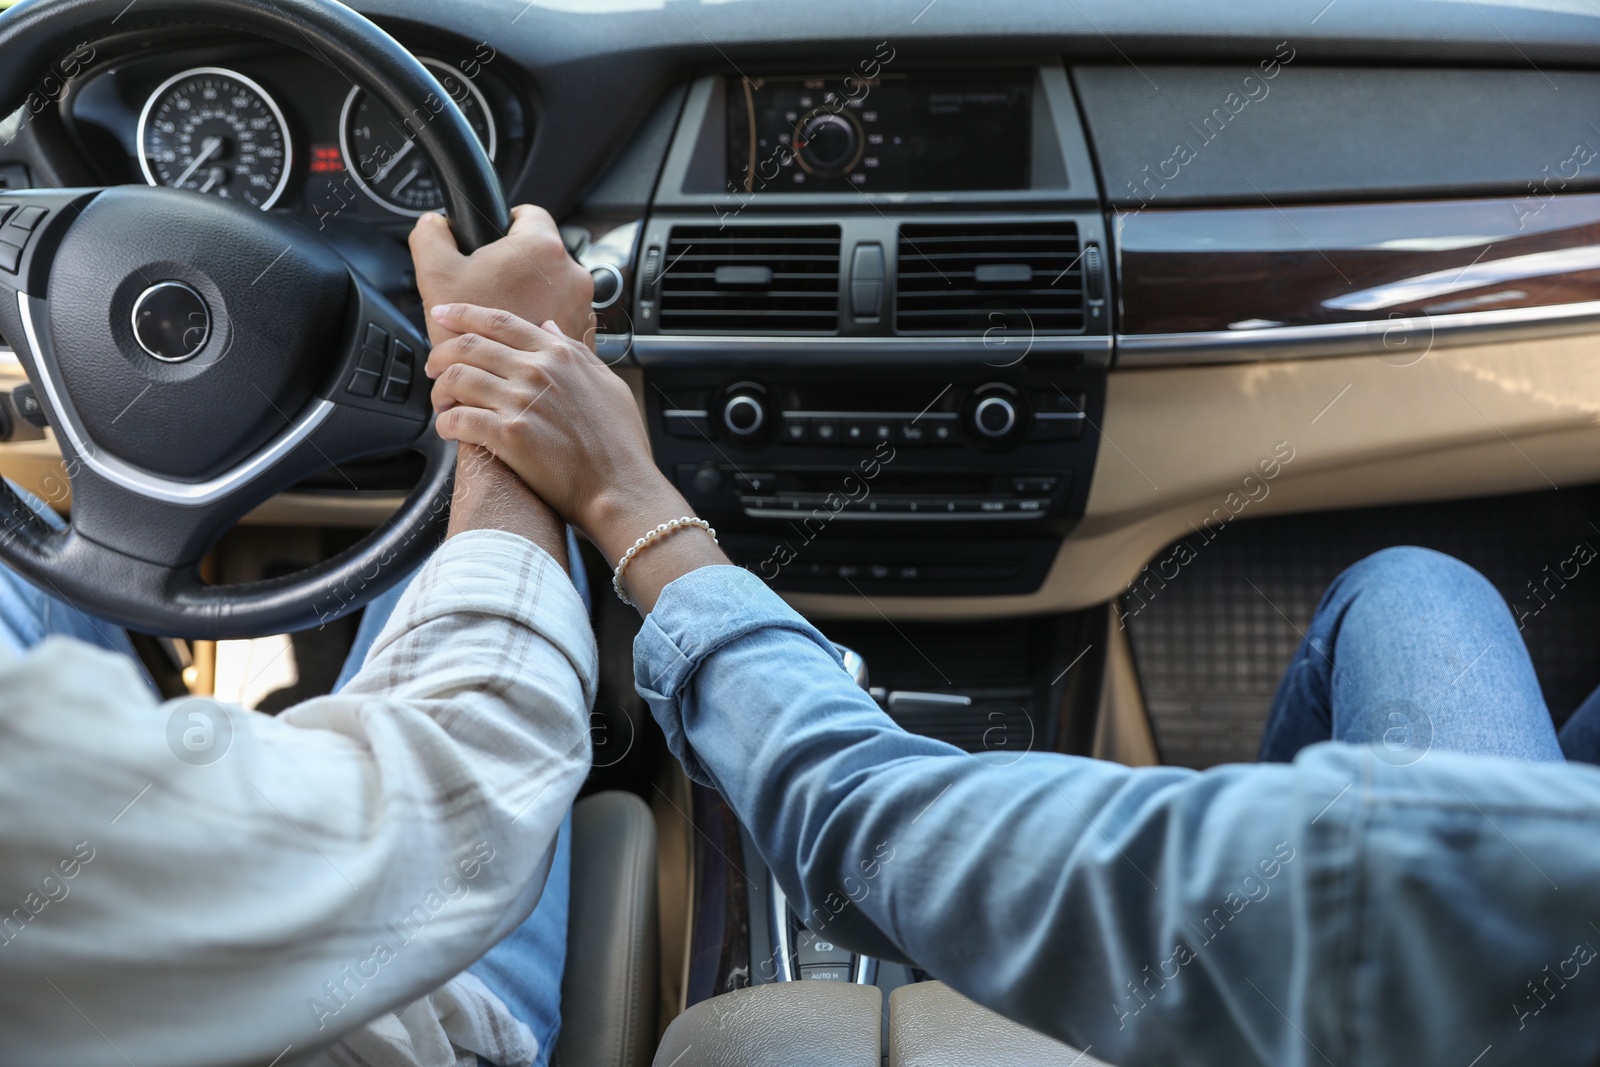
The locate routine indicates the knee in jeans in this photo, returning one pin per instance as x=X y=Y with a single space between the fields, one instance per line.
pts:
x=1409 y=567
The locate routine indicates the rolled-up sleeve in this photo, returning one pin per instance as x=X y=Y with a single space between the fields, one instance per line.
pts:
x=259 y=882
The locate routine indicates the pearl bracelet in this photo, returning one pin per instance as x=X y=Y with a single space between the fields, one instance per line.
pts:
x=649 y=539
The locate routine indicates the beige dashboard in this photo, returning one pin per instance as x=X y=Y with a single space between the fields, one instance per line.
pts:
x=1182 y=447
x=1186 y=450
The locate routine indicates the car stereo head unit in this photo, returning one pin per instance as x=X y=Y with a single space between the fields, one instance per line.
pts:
x=890 y=132
x=894 y=133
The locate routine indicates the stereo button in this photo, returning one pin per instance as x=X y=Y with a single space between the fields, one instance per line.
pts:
x=683 y=422
x=1058 y=426
x=755 y=483
x=824 y=431
x=1033 y=486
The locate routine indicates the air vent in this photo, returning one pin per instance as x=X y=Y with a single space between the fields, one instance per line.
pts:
x=751 y=279
x=983 y=277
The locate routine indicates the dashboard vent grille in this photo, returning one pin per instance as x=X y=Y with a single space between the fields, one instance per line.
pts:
x=751 y=279
x=1020 y=278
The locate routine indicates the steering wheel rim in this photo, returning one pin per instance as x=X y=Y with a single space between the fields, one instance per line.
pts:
x=144 y=514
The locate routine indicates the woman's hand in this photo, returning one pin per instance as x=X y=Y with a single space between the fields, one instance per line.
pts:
x=556 y=415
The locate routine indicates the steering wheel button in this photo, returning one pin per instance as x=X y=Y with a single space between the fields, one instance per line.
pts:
x=371 y=360
x=28 y=217
x=26 y=401
x=10 y=256
x=396 y=391
x=363 y=383
x=377 y=337
x=400 y=364
x=6 y=209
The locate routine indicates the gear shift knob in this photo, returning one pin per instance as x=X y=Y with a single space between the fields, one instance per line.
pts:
x=854 y=664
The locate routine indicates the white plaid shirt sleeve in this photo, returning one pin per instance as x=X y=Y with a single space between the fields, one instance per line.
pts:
x=325 y=874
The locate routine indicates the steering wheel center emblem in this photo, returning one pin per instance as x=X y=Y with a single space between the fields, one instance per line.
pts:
x=171 y=322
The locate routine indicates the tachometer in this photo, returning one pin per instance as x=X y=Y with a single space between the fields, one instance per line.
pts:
x=382 y=153
x=217 y=132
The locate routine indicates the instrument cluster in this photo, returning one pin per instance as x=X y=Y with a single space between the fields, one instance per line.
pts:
x=278 y=130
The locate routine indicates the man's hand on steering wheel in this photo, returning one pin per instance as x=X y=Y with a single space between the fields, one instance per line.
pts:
x=527 y=272
x=170 y=436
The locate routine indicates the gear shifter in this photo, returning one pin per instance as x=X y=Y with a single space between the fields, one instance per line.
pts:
x=854 y=664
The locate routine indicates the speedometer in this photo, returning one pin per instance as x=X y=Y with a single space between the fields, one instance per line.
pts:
x=216 y=132
x=381 y=150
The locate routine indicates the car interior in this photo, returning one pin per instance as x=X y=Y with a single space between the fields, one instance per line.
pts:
x=1051 y=358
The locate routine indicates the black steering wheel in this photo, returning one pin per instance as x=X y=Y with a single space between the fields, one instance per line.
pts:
x=196 y=356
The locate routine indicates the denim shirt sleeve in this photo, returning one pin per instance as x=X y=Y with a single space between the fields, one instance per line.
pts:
x=1336 y=909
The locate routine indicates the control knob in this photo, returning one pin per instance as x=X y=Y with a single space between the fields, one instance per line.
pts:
x=828 y=143
x=744 y=412
x=995 y=414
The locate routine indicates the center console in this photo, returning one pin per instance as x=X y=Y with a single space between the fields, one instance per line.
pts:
x=872 y=311
x=869 y=314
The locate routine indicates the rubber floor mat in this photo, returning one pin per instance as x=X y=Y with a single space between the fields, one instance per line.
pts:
x=1212 y=642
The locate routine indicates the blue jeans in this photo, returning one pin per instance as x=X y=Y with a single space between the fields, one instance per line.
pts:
x=524 y=969
x=1379 y=904
x=1411 y=650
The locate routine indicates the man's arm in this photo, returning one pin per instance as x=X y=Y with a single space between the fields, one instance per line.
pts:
x=191 y=883
x=250 y=882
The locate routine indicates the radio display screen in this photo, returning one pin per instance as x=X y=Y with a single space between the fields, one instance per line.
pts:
x=951 y=132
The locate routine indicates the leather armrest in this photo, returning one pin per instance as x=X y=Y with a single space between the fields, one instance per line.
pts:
x=608 y=993
x=931 y=1025
x=788 y=1024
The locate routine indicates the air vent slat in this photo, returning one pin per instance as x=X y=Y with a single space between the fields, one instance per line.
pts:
x=741 y=279
x=990 y=253
x=958 y=277
x=961 y=291
x=718 y=294
x=723 y=255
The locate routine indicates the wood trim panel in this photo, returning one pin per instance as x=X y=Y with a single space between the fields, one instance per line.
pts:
x=1238 y=269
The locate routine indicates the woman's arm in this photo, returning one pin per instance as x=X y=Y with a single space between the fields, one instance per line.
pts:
x=1337 y=909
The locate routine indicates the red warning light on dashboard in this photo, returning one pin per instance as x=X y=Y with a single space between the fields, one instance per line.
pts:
x=326 y=159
